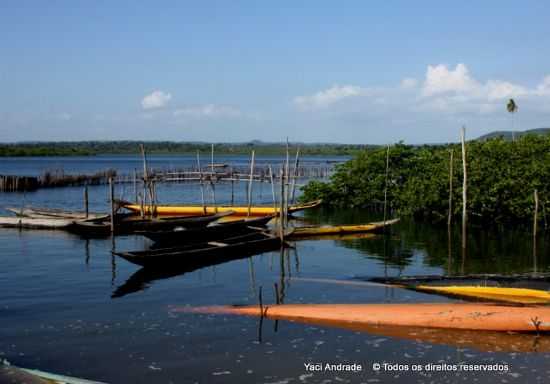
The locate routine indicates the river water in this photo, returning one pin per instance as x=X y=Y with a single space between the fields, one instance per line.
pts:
x=67 y=306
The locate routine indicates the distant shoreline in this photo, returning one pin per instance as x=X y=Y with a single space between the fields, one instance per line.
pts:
x=94 y=148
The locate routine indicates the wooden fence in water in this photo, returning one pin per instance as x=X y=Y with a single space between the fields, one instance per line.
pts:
x=209 y=172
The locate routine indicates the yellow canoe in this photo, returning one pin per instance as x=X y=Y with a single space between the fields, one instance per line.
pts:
x=185 y=210
x=509 y=295
x=330 y=230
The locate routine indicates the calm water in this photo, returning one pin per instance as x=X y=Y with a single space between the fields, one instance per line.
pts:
x=57 y=312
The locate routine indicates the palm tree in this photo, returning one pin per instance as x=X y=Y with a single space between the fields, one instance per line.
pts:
x=512 y=108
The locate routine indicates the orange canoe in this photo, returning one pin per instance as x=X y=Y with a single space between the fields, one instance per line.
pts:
x=472 y=316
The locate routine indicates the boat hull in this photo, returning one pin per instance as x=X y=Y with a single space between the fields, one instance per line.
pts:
x=479 y=317
x=168 y=210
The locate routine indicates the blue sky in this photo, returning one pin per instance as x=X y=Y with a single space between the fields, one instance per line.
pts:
x=354 y=71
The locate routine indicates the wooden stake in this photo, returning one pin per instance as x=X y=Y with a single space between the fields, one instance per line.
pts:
x=272 y=189
x=202 y=183
x=112 y=197
x=449 y=218
x=281 y=208
x=212 y=160
x=464 y=188
x=86 y=200
x=386 y=184
x=295 y=175
x=135 y=185
x=535 y=223
x=250 y=183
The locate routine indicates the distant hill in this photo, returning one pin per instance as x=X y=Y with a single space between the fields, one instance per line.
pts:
x=509 y=134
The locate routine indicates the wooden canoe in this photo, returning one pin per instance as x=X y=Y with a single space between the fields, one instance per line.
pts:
x=313 y=231
x=198 y=209
x=34 y=223
x=192 y=253
x=504 y=294
x=518 y=289
x=472 y=316
x=132 y=224
x=213 y=232
x=51 y=213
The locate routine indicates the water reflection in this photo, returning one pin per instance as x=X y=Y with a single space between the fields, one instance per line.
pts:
x=489 y=250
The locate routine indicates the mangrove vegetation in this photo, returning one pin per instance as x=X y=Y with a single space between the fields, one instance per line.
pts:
x=502 y=178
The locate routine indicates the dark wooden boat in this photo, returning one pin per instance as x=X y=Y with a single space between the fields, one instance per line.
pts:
x=199 y=253
x=127 y=224
x=213 y=232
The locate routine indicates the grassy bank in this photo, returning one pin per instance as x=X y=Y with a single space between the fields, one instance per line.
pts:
x=502 y=176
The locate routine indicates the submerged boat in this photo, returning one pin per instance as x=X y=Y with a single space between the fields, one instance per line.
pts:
x=504 y=294
x=464 y=316
x=198 y=253
x=127 y=224
x=199 y=209
x=328 y=230
x=213 y=232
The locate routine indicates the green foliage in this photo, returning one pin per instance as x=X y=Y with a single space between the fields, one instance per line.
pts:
x=502 y=177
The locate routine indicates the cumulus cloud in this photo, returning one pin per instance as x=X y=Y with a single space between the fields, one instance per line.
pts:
x=157 y=99
x=208 y=111
x=440 y=79
x=327 y=97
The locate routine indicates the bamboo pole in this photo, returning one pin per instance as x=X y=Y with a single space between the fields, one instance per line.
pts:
x=250 y=183
x=535 y=224
x=273 y=189
x=212 y=160
x=86 y=201
x=287 y=174
x=202 y=182
x=295 y=175
x=281 y=208
x=112 y=198
x=145 y=176
x=449 y=218
x=464 y=188
x=135 y=185
x=386 y=184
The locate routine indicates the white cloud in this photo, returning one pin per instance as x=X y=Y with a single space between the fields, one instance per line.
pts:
x=327 y=97
x=157 y=99
x=440 y=79
x=544 y=87
x=498 y=90
x=408 y=83
x=208 y=111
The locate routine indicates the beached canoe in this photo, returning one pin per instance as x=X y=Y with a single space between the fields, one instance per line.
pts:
x=34 y=223
x=41 y=213
x=328 y=230
x=472 y=316
x=185 y=255
x=198 y=209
